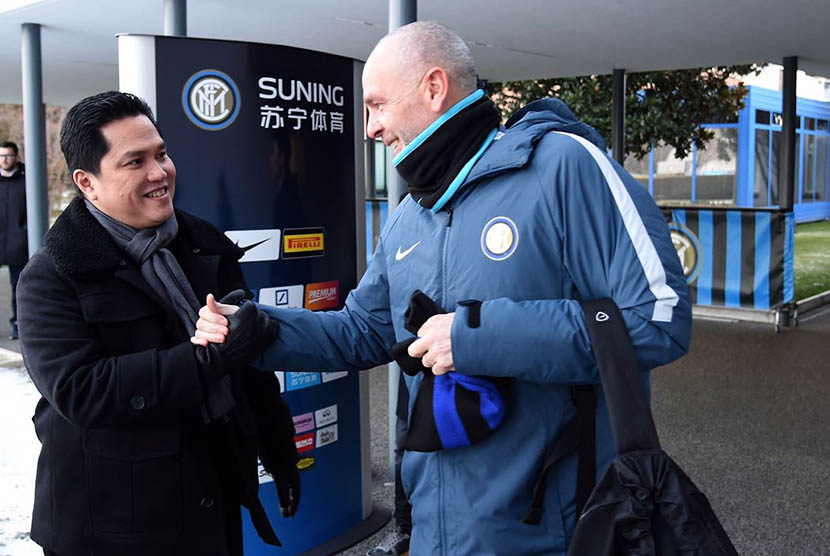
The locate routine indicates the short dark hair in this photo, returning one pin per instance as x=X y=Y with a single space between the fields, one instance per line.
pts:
x=10 y=145
x=82 y=142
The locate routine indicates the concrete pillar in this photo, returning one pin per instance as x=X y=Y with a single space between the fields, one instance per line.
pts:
x=401 y=12
x=34 y=130
x=786 y=189
x=175 y=18
x=618 y=115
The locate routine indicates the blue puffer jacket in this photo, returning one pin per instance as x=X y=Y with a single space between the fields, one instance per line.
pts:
x=543 y=219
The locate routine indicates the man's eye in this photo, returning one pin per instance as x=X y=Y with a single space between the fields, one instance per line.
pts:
x=162 y=155
x=134 y=162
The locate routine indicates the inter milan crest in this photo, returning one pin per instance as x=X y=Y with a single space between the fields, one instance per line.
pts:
x=210 y=99
x=499 y=238
x=688 y=250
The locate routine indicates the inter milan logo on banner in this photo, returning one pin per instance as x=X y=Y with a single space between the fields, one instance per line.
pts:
x=688 y=250
x=210 y=99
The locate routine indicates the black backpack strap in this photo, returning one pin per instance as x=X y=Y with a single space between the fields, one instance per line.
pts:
x=628 y=406
x=578 y=433
x=585 y=398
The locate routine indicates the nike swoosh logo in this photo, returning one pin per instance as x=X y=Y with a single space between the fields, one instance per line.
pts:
x=251 y=246
x=401 y=254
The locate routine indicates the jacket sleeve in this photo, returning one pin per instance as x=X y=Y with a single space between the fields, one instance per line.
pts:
x=355 y=338
x=75 y=372
x=614 y=243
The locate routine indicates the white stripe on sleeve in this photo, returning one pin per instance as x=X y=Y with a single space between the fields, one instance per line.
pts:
x=665 y=297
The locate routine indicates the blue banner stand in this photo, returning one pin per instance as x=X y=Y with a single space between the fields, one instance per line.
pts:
x=268 y=142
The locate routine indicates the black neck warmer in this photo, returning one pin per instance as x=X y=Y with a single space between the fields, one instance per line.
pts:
x=431 y=167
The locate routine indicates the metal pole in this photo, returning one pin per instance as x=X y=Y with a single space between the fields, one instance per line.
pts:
x=34 y=130
x=175 y=18
x=401 y=12
x=786 y=189
x=618 y=115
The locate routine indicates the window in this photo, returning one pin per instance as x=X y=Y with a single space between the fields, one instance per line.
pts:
x=760 y=191
x=808 y=183
x=716 y=167
x=672 y=176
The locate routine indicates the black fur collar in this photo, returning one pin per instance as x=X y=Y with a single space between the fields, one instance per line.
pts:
x=80 y=247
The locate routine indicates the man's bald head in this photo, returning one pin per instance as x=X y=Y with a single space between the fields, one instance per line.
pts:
x=422 y=45
x=414 y=75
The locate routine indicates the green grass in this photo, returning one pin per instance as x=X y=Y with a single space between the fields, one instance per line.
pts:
x=812 y=259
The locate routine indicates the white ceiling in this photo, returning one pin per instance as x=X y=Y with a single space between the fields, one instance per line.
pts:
x=510 y=39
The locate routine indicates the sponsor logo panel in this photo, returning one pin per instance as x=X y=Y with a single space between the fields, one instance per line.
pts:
x=304 y=442
x=263 y=475
x=296 y=381
x=322 y=295
x=326 y=436
x=303 y=242
x=326 y=416
x=328 y=377
x=305 y=463
x=304 y=422
x=259 y=245
x=283 y=296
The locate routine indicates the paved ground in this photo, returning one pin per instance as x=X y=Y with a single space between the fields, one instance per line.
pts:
x=745 y=413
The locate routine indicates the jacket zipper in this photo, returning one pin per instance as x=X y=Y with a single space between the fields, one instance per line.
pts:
x=444 y=251
x=441 y=516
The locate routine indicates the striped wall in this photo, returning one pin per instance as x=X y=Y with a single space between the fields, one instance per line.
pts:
x=735 y=258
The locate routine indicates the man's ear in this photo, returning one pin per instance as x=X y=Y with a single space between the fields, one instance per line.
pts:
x=86 y=183
x=437 y=89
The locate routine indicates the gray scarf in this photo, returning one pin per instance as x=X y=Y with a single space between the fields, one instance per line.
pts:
x=162 y=272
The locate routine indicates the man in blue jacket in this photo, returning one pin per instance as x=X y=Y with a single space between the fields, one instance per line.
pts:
x=526 y=218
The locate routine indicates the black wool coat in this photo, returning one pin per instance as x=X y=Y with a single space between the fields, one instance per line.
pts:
x=127 y=465
x=14 y=243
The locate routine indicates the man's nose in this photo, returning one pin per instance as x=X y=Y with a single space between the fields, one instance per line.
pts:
x=373 y=126
x=157 y=172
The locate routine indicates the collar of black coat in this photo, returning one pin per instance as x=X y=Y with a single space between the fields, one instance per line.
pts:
x=80 y=247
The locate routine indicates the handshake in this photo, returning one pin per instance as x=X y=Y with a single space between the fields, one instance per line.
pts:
x=232 y=332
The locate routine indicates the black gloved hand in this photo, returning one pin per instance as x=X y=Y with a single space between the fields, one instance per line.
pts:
x=236 y=297
x=250 y=331
x=287 y=482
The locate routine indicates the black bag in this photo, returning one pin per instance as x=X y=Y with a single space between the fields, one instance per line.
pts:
x=644 y=504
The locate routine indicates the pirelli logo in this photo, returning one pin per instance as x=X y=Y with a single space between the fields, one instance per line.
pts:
x=303 y=242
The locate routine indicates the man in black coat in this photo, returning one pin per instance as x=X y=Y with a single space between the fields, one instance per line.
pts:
x=149 y=442
x=14 y=245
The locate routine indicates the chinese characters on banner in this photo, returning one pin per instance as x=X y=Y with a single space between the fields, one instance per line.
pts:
x=276 y=116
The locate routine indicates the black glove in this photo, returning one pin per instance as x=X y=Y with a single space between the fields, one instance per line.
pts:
x=287 y=482
x=250 y=332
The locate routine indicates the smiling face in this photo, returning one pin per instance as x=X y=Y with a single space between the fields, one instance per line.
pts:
x=397 y=103
x=137 y=179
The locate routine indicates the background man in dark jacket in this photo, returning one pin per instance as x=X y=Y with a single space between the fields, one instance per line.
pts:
x=14 y=245
x=149 y=442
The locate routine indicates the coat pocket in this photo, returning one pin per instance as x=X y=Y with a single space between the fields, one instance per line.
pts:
x=126 y=322
x=134 y=480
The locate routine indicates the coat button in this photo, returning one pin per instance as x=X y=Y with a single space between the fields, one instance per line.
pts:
x=207 y=502
x=122 y=262
x=137 y=402
x=196 y=249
